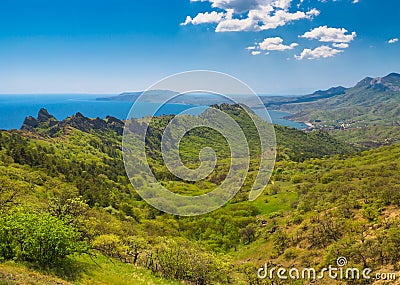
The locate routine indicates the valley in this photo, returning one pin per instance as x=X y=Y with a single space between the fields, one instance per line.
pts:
x=325 y=199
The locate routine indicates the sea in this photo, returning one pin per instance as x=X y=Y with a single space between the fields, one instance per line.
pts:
x=15 y=108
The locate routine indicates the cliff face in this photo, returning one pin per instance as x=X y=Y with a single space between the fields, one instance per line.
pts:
x=47 y=123
x=390 y=82
x=44 y=116
x=30 y=124
x=43 y=119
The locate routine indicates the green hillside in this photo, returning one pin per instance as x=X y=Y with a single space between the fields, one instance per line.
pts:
x=68 y=211
x=367 y=137
x=373 y=101
x=365 y=115
x=346 y=207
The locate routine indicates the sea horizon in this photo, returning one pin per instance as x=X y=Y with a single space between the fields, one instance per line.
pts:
x=15 y=108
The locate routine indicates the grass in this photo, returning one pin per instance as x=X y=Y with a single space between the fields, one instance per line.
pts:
x=102 y=270
x=369 y=136
x=269 y=204
x=97 y=271
x=13 y=274
x=109 y=271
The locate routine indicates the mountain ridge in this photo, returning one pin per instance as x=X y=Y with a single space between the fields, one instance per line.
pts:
x=48 y=124
x=389 y=82
x=370 y=101
x=291 y=142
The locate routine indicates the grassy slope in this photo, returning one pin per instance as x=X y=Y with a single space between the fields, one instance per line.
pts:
x=367 y=114
x=13 y=274
x=275 y=206
x=92 y=271
x=352 y=179
x=361 y=104
x=279 y=205
x=373 y=136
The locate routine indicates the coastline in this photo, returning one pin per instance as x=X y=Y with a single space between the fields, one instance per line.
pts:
x=310 y=125
x=289 y=116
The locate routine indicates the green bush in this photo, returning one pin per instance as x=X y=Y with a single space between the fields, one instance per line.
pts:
x=182 y=260
x=39 y=238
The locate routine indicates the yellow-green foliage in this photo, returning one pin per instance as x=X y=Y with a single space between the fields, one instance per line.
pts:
x=315 y=208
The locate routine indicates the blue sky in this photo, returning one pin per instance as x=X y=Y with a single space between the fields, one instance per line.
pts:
x=276 y=46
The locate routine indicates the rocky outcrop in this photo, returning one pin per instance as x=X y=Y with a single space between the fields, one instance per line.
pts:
x=30 y=124
x=48 y=124
x=115 y=124
x=43 y=120
x=44 y=116
x=390 y=82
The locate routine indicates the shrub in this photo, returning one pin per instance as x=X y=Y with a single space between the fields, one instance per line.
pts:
x=182 y=260
x=37 y=238
x=109 y=245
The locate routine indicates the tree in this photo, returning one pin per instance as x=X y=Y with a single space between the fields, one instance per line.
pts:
x=280 y=241
x=248 y=234
x=38 y=237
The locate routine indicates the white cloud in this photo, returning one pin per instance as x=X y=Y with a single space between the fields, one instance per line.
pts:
x=319 y=52
x=325 y=34
x=239 y=6
x=236 y=25
x=283 y=4
x=392 y=41
x=263 y=19
x=260 y=15
x=243 y=6
x=270 y=44
x=203 y=18
x=281 y=18
x=340 y=45
x=249 y=15
x=356 y=1
x=275 y=44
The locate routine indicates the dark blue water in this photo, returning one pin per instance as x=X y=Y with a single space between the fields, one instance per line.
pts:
x=14 y=109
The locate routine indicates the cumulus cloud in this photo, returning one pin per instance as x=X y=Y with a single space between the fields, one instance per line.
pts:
x=339 y=37
x=263 y=19
x=325 y=34
x=203 y=18
x=340 y=45
x=250 y=15
x=239 y=6
x=261 y=15
x=275 y=44
x=319 y=52
x=236 y=25
x=243 y=6
x=270 y=44
x=392 y=41
x=282 y=17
